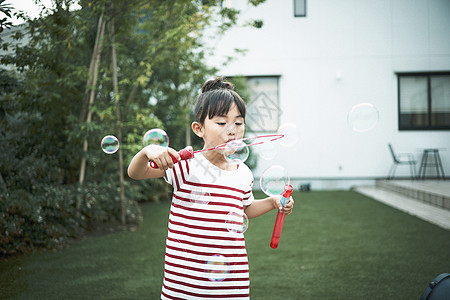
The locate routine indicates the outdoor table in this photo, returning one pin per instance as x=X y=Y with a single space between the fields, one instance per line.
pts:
x=436 y=163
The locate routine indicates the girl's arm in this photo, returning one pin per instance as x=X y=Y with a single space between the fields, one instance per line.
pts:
x=140 y=168
x=260 y=207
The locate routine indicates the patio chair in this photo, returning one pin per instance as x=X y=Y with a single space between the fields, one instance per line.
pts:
x=402 y=159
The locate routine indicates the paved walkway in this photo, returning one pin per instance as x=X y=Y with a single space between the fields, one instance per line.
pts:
x=427 y=212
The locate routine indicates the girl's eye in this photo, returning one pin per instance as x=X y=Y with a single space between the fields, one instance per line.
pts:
x=221 y=123
x=238 y=124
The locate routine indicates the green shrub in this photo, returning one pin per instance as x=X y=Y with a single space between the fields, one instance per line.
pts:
x=48 y=217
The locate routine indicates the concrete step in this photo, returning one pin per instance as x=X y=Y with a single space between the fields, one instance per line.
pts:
x=434 y=192
x=424 y=211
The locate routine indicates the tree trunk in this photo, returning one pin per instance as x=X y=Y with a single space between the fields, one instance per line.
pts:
x=118 y=121
x=2 y=183
x=90 y=92
x=89 y=84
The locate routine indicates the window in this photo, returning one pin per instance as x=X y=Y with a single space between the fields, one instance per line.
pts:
x=263 y=110
x=424 y=101
x=299 y=8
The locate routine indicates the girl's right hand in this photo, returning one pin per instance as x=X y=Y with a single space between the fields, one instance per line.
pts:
x=161 y=156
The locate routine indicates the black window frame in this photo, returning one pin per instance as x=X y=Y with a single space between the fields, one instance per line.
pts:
x=428 y=75
x=295 y=9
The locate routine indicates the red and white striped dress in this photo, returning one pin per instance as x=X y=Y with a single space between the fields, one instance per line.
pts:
x=205 y=251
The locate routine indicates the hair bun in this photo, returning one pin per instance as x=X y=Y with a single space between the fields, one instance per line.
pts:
x=217 y=83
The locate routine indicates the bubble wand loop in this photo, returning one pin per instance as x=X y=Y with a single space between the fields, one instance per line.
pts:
x=280 y=217
x=188 y=152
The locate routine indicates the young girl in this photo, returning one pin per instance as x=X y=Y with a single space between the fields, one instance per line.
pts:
x=205 y=256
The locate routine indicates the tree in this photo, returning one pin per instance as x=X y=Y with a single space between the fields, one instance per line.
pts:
x=87 y=73
x=5 y=9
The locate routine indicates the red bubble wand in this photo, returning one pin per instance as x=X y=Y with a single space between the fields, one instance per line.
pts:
x=280 y=217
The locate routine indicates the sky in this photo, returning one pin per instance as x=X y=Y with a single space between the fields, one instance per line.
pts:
x=27 y=6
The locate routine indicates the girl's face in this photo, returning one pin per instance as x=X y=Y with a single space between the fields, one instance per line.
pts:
x=222 y=129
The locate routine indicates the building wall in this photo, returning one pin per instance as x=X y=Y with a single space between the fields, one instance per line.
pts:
x=341 y=54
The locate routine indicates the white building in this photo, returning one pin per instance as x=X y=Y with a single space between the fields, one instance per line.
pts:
x=317 y=66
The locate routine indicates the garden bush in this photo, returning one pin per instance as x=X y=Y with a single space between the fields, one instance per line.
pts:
x=49 y=218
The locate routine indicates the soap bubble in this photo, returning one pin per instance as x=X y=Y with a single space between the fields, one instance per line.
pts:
x=199 y=195
x=178 y=241
x=236 y=150
x=156 y=136
x=363 y=117
x=273 y=180
x=269 y=150
x=236 y=222
x=291 y=134
x=110 y=144
x=217 y=268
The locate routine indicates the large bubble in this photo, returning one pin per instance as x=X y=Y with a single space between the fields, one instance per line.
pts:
x=217 y=267
x=236 y=222
x=236 y=150
x=156 y=136
x=273 y=180
x=291 y=134
x=110 y=144
x=363 y=117
x=199 y=195
x=269 y=150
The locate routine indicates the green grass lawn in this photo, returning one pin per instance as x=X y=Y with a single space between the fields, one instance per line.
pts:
x=336 y=245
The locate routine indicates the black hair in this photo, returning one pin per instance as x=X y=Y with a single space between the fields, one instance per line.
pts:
x=216 y=99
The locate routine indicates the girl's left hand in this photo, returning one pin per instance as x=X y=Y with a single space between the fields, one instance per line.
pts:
x=288 y=206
